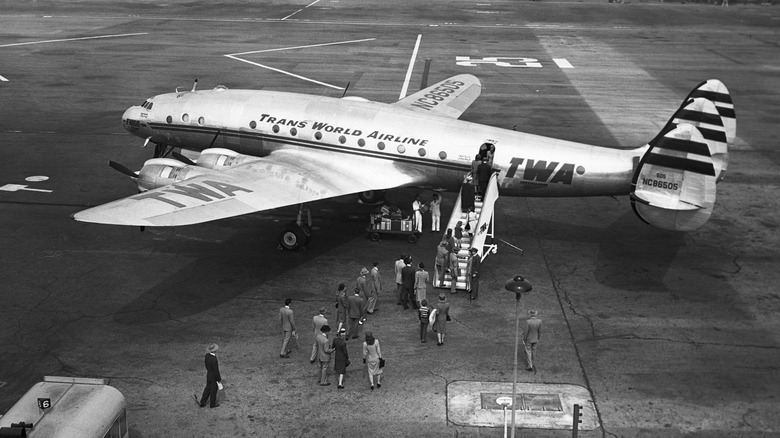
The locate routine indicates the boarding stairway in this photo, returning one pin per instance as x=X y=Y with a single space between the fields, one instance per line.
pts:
x=482 y=227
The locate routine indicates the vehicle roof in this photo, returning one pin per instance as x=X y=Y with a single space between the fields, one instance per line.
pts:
x=75 y=405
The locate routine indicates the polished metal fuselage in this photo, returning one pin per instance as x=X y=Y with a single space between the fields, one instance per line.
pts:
x=259 y=122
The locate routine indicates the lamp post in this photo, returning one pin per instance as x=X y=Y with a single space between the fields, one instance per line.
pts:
x=517 y=285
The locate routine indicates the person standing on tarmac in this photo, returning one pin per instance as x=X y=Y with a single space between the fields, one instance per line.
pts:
x=417 y=208
x=374 y=288
x=317 y=322
x=472 y=273
x=442 y=261
x=421 y=279
x=212 y=378
x=362 y=283
x=533 y=332
x=435 y=213
x=288 y=327
x=341 y=306
x=407 y=278
x=356 y=310
x=399 y=266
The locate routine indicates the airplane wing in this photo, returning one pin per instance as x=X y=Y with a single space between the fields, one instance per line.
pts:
x=450 y=97
x=285 y=177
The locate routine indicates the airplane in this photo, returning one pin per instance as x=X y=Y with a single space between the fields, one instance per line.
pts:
x=261 y=150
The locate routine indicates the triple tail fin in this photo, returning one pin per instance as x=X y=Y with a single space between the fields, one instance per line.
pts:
x=674 y=185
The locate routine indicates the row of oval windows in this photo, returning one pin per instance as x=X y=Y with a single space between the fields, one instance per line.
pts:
x=318 y=135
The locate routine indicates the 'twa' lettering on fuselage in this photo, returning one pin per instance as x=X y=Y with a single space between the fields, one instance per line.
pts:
x=216 y=190
x=541 y=171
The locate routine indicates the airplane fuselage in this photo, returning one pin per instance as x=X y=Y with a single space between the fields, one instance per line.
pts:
x=258 y=122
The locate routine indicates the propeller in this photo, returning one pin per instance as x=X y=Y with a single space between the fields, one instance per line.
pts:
x=182 y=158
x=120 y=168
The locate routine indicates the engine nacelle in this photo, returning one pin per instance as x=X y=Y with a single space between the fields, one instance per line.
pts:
x=221 y=159
x=159 y=172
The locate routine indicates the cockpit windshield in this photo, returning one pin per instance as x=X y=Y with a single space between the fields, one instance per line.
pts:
x=148 y=105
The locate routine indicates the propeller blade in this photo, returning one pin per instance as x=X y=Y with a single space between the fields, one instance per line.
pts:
x=118 y=167
x=182 y=158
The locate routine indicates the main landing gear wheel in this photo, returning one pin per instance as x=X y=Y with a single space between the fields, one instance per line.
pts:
x=294 y=237
x=371 y=197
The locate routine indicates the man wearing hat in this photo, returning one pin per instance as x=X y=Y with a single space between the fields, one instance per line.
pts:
x=318 y=321
x=472 y=273
x=362 y=283
x=324 y=349
x=212 y=377
x=356 y=311
x=533 y=331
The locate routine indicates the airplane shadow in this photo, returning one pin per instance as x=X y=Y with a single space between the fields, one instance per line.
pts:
x=221 y=271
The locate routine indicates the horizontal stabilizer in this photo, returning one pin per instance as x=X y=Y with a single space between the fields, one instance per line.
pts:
x=449 y=98
x=674 y=185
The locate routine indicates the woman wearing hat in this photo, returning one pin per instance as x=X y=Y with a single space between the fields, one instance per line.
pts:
x=342 y=355
x=442 y=316
x=372 y=354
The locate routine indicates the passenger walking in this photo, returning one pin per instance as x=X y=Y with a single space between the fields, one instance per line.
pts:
x=454 y=271
x=399 y=265
x=372 y=354
x=324 y=350
x=421 y=279
x=442 y=316
x=374 y=289
x=457 y=234
x=356 y=311
x=533 y=332
x=484 y=172
x=467 y=193
x=435 y=212
x=407 y=277
x=442 y=261
x=213 y=378
x=472 y=273
x=423 y=313
x=288 y=327
x=362 y=283
x=317 y=322
x=341 y=306
x=341 y=362
x=450 y=241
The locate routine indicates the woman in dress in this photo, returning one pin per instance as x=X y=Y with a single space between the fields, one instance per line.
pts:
x=371 y=355
x=442 y=316
x=342 y=356
x=421 y=278
x=341 y=306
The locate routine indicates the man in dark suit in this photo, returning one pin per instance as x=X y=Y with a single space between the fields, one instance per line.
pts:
x=407 y=279
x=212 y=377
x=356 y=310
x=472 y=273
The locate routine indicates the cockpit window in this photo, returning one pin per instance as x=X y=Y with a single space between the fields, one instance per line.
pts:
x=147 y=105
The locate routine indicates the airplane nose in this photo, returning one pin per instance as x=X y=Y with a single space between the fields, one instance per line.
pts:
x=131 y=119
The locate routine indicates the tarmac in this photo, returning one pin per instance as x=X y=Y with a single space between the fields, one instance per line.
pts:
x=655 y=333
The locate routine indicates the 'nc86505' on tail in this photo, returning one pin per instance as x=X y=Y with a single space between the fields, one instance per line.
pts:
x=674 y=185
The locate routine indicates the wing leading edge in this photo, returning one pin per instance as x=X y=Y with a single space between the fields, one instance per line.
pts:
x=285 y=177
x=450 y=97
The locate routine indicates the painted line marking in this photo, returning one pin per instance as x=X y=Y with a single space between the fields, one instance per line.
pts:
x=2 y=79
x=285 y=72
x=411 y=67
x=75 y=39
x=563 y=63
x=236 y=57
x=18 y=187
x=301 y=47
x=299 y=10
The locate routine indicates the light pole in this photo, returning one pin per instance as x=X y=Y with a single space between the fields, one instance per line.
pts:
x=517 y=285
